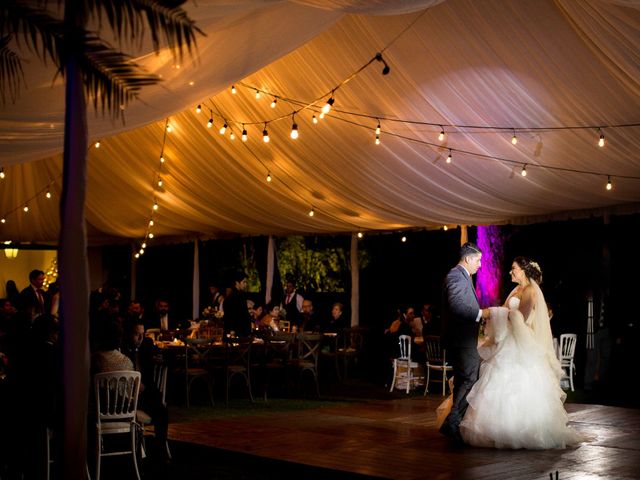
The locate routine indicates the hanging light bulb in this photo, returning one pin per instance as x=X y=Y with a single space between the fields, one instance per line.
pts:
x=97 y=144
x=274 y=102
x=48 y=194
x=244 y=133
x=223 y=128
x=169 y=128
x=150 y=235
x=210 y=122
x=2 y=173
x=265 y=134
x=609 y=185
x=378 y=128
x=524 y=170
x=441 y=136
x=360 y=234
x=314 y=119
x=159 y=182
x=161 y=158
x=445 y=228
x=327 y=106
x=269 y=176
x=294 y=127
x=321 y=116
x=141 y=252
x=137 y=255
x=198 y=108
x=312 y=212
x=4 y=220
x=601 y=139
x=151 y=223
x=26 y=208
x=449 y=157
x=155 y=206
x=257 y=94
x=233 y=89
x=377 y=139
x=403 y=239
x=232 y=136
x=144 y=245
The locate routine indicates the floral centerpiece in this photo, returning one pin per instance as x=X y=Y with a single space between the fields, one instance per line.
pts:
x=212 y=313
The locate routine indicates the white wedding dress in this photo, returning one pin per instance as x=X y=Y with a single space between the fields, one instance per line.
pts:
x=517 y=401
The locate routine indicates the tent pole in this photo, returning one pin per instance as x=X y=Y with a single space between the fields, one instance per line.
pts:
x=355 y=282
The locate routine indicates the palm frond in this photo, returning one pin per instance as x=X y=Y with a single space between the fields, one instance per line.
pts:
x=11 y=73
x=111 y=78
x=166 y=20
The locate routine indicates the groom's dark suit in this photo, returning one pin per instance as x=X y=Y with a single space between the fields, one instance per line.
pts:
x=460 y=315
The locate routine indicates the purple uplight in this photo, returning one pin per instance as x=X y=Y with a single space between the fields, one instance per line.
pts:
x=490 y=241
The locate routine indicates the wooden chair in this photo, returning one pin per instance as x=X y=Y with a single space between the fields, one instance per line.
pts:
x=238 y=362
x=403 y=366
x=160 y=380
x=436 y=361
x=351 y=347
x=567 y=351
x=308 y=353
x=278 y=352
x=197 y=352
x=116 y=399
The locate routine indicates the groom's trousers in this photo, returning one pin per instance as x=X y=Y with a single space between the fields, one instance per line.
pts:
x=466 y=367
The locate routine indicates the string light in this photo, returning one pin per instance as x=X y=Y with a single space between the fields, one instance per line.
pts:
x=314 y=119
x=441 y=136
x=25 y=208
x=2 y=175
x=244 y=133
x=321 y=116
x=274 y=102
x=137 y=255
x=524 y=170
x=232 y=136
x=97 y=144
x=169 y=128
x=198 y=108
x=155 y=206
x=360 y=234
x=159 y=182
x=162 y=158
x=141 y=251
x=377 y=139
x=601 y=139
x=144 y=245
x=378 y=128
x=223 y=128
x=514 y=139
x=294 y=127
x=312 y=212
x=151 y=223
x=403 y=239
x=265 y=134
x=233 y=89
x=151 y=235
x=4 y=220
x=445 y=228
x=210 y=122
x=449 y=157
x=48 y=194
x=269 y=176
x=257 y=94
x=609 y=185
x=327 y=106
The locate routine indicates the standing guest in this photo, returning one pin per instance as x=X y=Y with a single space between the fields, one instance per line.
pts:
x=429 y=326
x=216 y=296
x=292 y=303
x=461 y=315
x=236 y=314
x=34 y=301
x=13 y=294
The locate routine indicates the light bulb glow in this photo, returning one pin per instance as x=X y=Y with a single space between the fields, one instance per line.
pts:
x=198 y=108
x=514 y=139
x=360 y=234
x=441 y=136
x=155 y=206
x=169 y=128
x=137 y=255
x=48 y=194
x=26 y=208
x=159 y=182
x=312 y=212
x=327 y=106
x=524 y=171
x=601 y=140
x=4 y=220
x=150 y=235
x=244 y=134
x=265 y=136
x=449 y=158
x=445 y=228
x=274 y=102
x=314 y=119
x=257 y=94
x=294 y=131
x=403 y=239
x=2 y=173
x=269 y=177
x=144 y=245
x=378 y=129
x=377 y=139
x=97 y=144
x=223 y=129
x=210 y=123
x=151 y=223
x=609 y=185
x=161 y=158
x=321 y=116
x=233 y=89
x=232 y=136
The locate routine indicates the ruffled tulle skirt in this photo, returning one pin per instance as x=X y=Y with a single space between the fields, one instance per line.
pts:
x=517 y=402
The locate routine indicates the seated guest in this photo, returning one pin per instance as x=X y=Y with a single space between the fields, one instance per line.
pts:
x=429 y=324
x=144 y=355
x=414 y=323
x=310 y=321
x=337 y=321
x=256 y=315
x=135 y=311
x=107 y=356
x=270 y=321
x=161 y=317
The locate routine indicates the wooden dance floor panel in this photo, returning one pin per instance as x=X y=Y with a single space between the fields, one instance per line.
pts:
x=397 y=439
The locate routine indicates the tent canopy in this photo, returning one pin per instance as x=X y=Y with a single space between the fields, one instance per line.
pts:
x=557 y=75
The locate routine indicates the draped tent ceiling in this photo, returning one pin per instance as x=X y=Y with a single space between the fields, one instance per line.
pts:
x=515 y=64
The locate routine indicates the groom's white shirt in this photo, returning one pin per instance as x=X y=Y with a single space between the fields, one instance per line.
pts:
x=469 y=275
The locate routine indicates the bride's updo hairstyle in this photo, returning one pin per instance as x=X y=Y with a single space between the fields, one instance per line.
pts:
x=531 y=269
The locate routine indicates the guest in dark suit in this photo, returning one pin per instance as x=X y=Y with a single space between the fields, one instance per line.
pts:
x=161 y=317
x=461 y=316
x=310 y=321
x=34 y=301
x=236 y=311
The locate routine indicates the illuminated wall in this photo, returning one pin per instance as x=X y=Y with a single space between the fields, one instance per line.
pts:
x=489 y=277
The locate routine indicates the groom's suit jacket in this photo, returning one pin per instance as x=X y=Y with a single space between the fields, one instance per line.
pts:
x=459 y=310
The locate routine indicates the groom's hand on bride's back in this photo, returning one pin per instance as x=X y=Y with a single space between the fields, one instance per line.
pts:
x=486 y=313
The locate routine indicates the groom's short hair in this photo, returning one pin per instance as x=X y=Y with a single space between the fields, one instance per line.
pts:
x=469 y=249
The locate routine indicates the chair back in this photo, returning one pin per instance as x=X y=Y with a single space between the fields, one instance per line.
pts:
x=568 y=346
x=309 y=347
x=116 y=395
x=436 y=355
x=197 y=351
x=160 y=380
x=239 y=353
x=404 y=344
x=353 y=338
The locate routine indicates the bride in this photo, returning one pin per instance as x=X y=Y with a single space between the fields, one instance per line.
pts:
x=517 y=401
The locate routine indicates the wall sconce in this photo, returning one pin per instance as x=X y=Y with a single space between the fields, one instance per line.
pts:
x=10 y=252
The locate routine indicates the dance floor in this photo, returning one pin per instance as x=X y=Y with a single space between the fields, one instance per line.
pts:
x=396 y=439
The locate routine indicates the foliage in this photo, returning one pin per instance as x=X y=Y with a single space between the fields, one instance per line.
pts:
x=315 y=268
x=249 y=266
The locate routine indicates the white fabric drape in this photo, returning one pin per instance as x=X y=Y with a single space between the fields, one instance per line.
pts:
x=355 y=282
x=271 y=255
x=195 y=311
x=509 y=63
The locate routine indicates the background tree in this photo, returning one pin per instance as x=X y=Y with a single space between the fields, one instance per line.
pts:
x=57 y=31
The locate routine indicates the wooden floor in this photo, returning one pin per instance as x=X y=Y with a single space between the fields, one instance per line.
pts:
x=397 y=439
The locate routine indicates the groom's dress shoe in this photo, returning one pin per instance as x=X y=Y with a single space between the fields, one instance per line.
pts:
x=452 y=433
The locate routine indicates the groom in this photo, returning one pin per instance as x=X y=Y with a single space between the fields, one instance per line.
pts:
x=461 y=315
